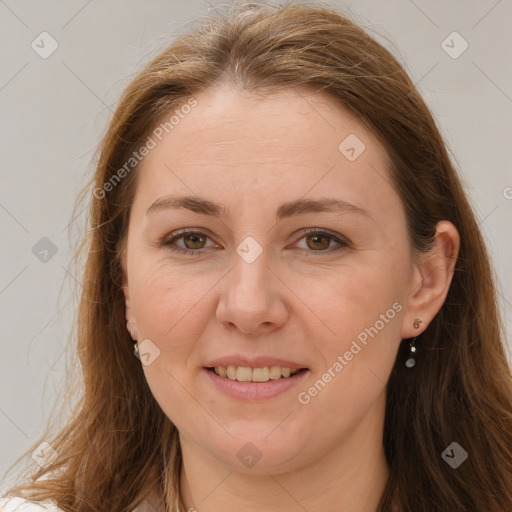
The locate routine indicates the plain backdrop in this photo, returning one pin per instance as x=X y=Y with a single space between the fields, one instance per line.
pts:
x=54 y=110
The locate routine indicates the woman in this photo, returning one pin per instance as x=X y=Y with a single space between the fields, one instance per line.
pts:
x=275 y=222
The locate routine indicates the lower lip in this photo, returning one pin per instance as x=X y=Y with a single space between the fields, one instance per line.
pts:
x=254 y=390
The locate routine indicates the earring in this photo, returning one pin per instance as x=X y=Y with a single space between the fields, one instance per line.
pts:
x=136 y=350
x=412 y=350
x=136 y=344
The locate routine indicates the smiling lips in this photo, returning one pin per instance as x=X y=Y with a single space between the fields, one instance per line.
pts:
x=255 y=379
x=248 y=374
x=260 y=369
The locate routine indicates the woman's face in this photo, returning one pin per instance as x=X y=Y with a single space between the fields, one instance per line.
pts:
x=296 y=262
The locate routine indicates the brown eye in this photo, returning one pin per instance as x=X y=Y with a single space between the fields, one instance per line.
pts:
x=194 y=241
x=315 y=241
x=318 y=241
x=321 y=242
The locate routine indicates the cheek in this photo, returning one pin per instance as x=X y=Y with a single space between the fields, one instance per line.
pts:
x=363 y=310
x=170 y=310
x=167 y=300
x=359 y=298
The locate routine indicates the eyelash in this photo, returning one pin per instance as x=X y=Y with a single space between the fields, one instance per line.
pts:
x=169 y=243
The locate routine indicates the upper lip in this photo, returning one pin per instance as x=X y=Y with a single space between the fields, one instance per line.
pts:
x=253 y=362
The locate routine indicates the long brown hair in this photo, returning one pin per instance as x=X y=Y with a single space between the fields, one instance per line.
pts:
x=118 y=445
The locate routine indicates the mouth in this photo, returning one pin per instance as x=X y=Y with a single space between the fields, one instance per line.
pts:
x=246 y=383
x=262 y=374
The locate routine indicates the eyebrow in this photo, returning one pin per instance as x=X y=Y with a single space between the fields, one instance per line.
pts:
x=289 y=209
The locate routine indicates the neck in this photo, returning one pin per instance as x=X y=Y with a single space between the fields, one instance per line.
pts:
x=350 y=477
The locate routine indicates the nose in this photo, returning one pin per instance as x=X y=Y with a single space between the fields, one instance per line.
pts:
x=252 y=297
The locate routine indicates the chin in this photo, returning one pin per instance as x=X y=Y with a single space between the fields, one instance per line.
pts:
x=257 y=450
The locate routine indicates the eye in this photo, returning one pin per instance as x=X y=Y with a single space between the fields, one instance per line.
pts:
x=320 y=241
x=316 y=240
x=193 y=241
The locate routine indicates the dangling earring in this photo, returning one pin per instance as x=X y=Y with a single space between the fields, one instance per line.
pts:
x=136 y=344
x=412 y=348
x=136 y=350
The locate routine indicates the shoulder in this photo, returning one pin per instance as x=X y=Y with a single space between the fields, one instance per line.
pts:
x=22 y=505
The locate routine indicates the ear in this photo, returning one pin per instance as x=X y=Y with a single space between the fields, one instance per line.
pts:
x=431 y=281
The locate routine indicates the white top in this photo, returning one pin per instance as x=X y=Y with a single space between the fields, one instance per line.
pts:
x=22 y=505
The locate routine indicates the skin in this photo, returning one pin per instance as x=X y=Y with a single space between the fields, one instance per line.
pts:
x=294 y=301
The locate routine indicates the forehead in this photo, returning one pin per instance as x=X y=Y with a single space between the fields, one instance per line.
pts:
x=236 y=142
x=290 y=122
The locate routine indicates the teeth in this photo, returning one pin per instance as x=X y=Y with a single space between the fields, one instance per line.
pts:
x=246 y=374
x=275 y=372
x=230 y=372
x=243 y=374
x=261 y=374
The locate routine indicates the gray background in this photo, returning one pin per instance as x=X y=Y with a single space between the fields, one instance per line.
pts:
x=54 y=111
